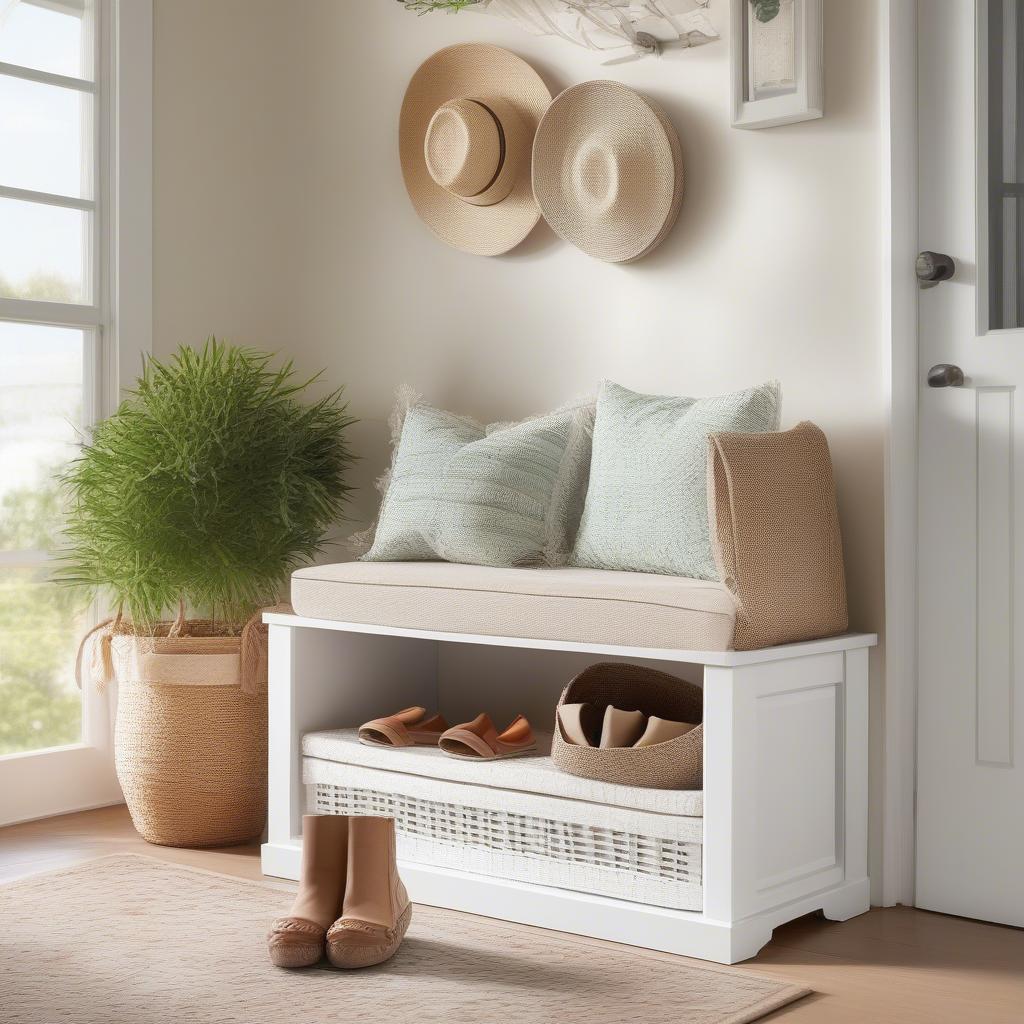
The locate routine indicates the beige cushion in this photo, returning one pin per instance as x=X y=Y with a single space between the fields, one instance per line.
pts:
x=594 y=606
x=527 y=774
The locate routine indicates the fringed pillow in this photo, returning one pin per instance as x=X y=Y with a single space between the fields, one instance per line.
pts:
x=504 y=495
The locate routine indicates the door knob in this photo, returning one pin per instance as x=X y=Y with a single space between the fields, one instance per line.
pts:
x=945 y=375
x=933 y=267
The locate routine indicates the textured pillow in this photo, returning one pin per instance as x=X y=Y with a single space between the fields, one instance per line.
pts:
x=775 y=535
x=647 y=506
x=508 y=495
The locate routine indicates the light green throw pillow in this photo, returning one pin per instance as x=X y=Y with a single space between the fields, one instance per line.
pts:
x=506 y=495
x=647 y=505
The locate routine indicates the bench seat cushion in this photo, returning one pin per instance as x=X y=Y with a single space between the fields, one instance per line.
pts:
x=573 y=604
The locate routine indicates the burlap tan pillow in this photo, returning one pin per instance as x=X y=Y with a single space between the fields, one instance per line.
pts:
x=775 y=534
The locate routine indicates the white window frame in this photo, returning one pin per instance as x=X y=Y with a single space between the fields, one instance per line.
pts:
x=41 y=783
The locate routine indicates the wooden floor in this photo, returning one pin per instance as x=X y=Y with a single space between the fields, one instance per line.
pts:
x=898 y=965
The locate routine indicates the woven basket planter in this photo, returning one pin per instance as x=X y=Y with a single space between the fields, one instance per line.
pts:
x=676 y=764
x=191 y=741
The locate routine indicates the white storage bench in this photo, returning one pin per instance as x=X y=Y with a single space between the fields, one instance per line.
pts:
x=780 y=829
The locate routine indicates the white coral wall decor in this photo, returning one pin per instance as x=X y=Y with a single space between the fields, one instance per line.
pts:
x=621 y=28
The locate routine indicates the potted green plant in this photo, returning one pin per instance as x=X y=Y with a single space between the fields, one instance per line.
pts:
x=187 y=511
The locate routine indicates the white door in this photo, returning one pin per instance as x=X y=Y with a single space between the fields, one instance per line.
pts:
x=970 y=795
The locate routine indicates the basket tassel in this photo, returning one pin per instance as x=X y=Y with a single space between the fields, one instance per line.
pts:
x=254 y=668
x=101 y=656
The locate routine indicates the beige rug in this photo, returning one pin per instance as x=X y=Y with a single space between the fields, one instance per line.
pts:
x=133 y=940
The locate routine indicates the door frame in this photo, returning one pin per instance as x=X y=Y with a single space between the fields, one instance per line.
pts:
x=899 y=212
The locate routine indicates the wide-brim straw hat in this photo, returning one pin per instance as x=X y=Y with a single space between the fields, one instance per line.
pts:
x=607 y=170
x=465 y=135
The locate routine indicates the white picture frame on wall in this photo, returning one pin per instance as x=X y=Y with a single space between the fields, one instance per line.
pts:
x=776 y=66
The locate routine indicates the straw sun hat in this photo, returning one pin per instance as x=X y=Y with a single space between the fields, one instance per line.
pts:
x=607 y=171
x=465 y=132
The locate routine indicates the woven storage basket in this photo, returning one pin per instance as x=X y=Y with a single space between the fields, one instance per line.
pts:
x=676 y=764
x=191 y=742
x=648 y=856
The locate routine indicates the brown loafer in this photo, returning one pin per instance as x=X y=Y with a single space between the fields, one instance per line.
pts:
x=295 y=942
x=352 y=943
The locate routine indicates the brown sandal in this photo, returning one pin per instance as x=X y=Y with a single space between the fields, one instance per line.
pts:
x=480 y=741
x=403 y=729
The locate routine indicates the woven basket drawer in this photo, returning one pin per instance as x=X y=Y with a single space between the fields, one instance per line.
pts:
x=629 y=854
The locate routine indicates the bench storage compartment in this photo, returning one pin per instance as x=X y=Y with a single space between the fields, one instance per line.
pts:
x=519 y=819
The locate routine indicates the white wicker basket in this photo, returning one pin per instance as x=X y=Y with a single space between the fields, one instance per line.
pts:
x=607 y=849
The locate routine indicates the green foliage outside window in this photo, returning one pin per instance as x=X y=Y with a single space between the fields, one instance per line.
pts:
x=39 y=623
x=38 y=627
x=41 y=285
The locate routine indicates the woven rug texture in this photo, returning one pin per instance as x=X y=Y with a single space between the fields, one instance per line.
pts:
x=128 y=939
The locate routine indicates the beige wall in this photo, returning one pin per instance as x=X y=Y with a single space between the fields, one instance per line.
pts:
x=281 y=221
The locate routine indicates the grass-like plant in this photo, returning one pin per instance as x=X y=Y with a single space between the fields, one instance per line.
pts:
x=210 y=483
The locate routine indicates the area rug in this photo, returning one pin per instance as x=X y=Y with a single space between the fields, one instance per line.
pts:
x=133 y=940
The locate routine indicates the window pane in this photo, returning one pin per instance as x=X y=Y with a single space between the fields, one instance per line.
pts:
x=1004 y=50
x=48 y=37
x=41 y=383
x=40 y=706
x=42 y=128
x=41 y=388
x=42 y=252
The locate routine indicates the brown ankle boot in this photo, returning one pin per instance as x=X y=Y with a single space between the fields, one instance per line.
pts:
x=375 y=910
x=298 y=939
